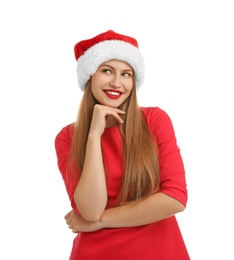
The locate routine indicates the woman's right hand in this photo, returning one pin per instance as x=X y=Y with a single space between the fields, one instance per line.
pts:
x=104 y=116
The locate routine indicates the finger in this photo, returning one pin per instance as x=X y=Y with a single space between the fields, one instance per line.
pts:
x=115 y=112
x=117 y=117
x=68 y=222
x=108 y=110
x=70 y=226
x=68 y=215
x=120 y=111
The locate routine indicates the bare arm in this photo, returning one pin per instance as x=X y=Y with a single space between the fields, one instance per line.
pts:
x=155 y=208
x=91 y=193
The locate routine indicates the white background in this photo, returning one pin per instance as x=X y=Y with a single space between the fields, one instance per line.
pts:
x=189 y=54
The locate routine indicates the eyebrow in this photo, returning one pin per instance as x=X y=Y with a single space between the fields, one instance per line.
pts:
x=107 y=65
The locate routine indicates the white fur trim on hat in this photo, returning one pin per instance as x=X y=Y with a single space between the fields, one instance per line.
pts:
x=103 y=51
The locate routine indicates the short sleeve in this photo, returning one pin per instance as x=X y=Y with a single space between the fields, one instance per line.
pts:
x=62 y=148
x=172 y=172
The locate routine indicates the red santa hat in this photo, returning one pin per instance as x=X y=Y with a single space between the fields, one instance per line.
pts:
x=91 y=53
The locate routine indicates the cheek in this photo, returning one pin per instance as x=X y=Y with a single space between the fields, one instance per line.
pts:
x=97 y=77
x=129 y=86
x=98 y=81
x=95 y=82
x=94 y=90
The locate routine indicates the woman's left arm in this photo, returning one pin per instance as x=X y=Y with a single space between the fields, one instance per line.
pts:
x=152 y=209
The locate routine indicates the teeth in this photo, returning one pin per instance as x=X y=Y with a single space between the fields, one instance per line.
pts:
x=113 y=93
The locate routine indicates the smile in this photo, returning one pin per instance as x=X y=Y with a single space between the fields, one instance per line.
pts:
x=113 y=94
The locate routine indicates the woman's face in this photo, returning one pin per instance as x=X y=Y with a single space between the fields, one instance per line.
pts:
x=112 y=83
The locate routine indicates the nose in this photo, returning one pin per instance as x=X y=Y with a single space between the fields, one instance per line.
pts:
x=116 y=81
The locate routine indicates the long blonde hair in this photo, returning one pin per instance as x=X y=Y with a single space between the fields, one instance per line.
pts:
x=141 y=177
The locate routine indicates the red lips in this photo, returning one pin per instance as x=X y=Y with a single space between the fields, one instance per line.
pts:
x=114 y=94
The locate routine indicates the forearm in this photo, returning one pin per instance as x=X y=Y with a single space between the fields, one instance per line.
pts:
x=155 y=208
x=91 y=193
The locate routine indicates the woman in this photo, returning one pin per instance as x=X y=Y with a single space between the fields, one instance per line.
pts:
x=120 y=162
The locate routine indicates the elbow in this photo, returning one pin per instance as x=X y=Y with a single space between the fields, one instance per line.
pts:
x=181 y=207
x=91 y=216
x=178 y=206
x=175 y=204
x=90 y=209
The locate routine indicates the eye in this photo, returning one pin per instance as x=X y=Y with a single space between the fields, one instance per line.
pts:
x=127 y=74
x=106 y=71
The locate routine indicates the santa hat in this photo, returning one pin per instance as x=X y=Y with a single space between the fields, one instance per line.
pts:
x=91 y=53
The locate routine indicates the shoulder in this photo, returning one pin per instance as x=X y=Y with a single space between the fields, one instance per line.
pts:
x=64 y=136
x=159 y=122
x=155 y=114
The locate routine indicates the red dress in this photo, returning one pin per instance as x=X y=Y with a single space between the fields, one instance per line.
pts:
x=157 y=241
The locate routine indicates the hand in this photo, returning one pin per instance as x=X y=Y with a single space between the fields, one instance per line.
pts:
x=78 y=224
x=104 y=116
